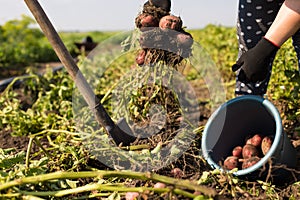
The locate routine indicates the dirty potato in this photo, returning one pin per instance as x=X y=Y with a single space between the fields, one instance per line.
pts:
x=250 y=162
x=249 y=151
x=140 y=59
x=231 y=162
x=255 y=140
x=170 y=22
x=144 y=20
x=237 y=151
x=266 y=144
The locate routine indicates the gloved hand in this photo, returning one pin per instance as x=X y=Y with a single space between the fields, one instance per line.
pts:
x=163 y=4
x=255 y=62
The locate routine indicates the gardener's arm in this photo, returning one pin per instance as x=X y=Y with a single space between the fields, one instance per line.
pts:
x=254 y=63
x=286 y=23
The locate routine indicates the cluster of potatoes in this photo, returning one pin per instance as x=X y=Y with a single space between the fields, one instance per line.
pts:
x=248 y=155
x=161 y=30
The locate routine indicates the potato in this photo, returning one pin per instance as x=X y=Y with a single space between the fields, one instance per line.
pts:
x=131 y=195
x=140 y=59
x=197 y=193
x=177 y=173
x=170 y=22
x=249 y=151
x=231 y=162
x=237 y=151
x=266 y=144
x=159 y=185
x=255 y=140
x=145 y=20
x=250 y=162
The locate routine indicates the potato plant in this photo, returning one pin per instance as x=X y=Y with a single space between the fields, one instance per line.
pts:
x=22 y=45
x=285 y=84
x=56 y=165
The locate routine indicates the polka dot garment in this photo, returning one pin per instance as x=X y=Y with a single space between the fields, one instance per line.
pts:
x=254 y=19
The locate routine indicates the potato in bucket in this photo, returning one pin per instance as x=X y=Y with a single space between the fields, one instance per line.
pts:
x=231 y=123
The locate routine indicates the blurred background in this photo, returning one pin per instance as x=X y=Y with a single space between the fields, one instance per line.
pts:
x=101 y=15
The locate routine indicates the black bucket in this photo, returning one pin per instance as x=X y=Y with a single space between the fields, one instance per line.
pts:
x=232 y=122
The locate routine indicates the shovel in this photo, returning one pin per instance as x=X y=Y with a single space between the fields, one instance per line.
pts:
x=115 y=131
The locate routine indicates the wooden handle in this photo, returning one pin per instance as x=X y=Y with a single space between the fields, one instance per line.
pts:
x=86 y=91
x=60 y=50
x=67 y=60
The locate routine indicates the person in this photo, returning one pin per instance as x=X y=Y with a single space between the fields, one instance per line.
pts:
x=262 y=27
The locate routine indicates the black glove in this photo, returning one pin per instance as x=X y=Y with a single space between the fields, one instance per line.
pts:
x=163 y=4
x=254 y=63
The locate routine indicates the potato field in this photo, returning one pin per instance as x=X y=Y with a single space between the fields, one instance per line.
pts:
x=51 y=146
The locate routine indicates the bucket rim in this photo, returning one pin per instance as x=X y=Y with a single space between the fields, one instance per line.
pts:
x=277 y=137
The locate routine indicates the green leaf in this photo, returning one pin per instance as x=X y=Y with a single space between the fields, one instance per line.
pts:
x=10 y=161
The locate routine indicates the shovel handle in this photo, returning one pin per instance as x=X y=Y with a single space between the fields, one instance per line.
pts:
x=61 y=51
x=67 y=60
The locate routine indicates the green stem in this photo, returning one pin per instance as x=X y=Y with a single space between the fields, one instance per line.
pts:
x=178 y=183
x=10 y=86
x=136 y=147
x=184 y=193
x=127 y=148
x=31 y=197
x=9 y=196
x=93 y=196
x=109 y=188
x=109 y=92
x=55 y=131
x=28 y=152
x=41 y=146
x=98 y=186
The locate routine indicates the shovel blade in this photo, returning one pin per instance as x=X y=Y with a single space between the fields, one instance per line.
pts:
x=122 y=133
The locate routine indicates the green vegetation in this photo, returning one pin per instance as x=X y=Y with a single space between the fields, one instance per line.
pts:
x=55 y=164
x=22 y=45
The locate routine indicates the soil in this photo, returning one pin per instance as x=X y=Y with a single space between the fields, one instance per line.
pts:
x=7 y=140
